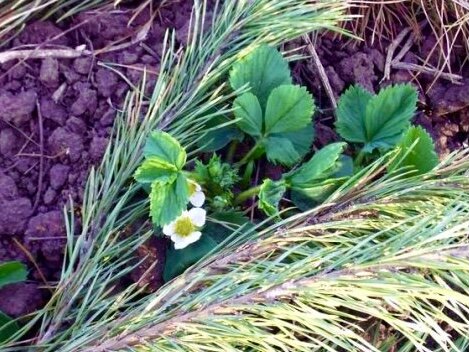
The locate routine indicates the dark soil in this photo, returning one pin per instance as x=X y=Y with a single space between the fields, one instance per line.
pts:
x=56 y=117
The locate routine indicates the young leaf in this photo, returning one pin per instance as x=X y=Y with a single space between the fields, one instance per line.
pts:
x=320 y=167
x=7 y=331
x=168 y=199
x=249 y=113
x=270 y=195
x=161 y=146
x=289 y=108
x=12 y=272
x=351 y=110
x=281 y=150
x=153 y=169
x=417 y=152
x=263 y=70
x=178 y=260
x=217 y=178
x=387 y=115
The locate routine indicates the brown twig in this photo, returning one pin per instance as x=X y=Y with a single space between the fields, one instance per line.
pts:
x=428 y=70
x=321 y=70
x=33 y=261
x=28 y=138
x=41 y=155
x=43 y=53
x=392 y=48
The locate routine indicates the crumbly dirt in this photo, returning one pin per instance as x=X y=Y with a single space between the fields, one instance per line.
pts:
x=56 y=117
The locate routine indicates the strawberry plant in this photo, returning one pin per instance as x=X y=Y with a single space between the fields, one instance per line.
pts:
x=273 y=118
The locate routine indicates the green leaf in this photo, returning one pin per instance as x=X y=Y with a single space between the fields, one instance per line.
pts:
x=387 y=116
x=301 y=139
x=281 y=150
x=289 y=108
x=351 y=111
x=153 y=169
x=306 y=198
x=288 y=125
x=226 y=223
x=270 y=195
x=320 y=167
x=232 y=217
x=7 y=331
x=345 y=167
x=217 y=138
x=262 y=70
x=417 y=152
x=168 y=199
x=12 y=272
x=160 y=145
x=178 y=260
x=249 y=113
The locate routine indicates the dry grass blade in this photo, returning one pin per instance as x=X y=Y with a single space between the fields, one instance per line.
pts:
x=447 y=20
x=395 y=253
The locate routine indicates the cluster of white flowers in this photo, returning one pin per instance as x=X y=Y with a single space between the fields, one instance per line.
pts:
x=186 y=228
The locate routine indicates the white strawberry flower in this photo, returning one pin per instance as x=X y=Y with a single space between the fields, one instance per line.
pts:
x=185 y=229
x=196 y=196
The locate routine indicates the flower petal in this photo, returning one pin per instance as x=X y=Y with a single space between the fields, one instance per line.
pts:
x=197 y=215
x=168 y=229
x=182 y=242
x=197 y=199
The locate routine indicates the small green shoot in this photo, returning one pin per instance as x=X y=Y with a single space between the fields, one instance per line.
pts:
x=162 y=169
x=10 y=273
x=274 y=110
x=376 y=121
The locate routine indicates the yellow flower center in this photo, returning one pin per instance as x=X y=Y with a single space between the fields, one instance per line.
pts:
x=192 y=188
x=184 y=226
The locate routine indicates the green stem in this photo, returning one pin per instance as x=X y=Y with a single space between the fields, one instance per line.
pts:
x=359 y=158
x=231 y=151
x=249 y=193
x=249 y=156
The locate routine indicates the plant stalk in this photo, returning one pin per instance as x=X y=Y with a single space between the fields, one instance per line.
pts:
x=249 y=156
x=359 y=159
x=231 y=151
x=249 y=193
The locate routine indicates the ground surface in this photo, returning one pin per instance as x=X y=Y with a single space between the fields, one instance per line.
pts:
x=56 y=117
